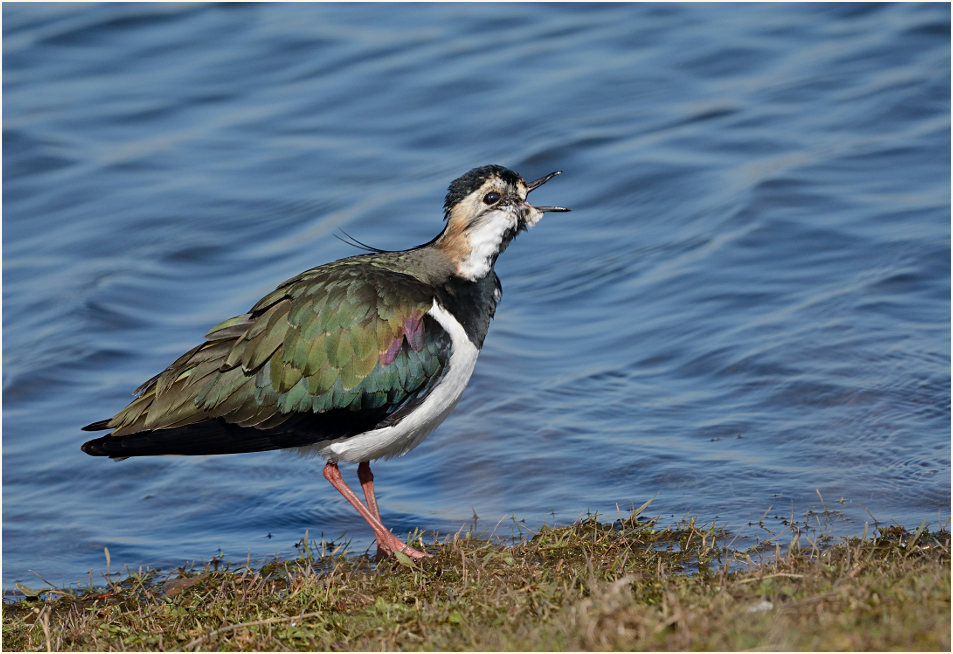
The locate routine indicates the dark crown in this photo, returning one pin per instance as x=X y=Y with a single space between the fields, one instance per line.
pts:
x=467 y=183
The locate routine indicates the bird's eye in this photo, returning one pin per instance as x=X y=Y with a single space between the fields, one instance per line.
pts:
x=491 y=198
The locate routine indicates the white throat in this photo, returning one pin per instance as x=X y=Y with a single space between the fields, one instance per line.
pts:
x=485 y=241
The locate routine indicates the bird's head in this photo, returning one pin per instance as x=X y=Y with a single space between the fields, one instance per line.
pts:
x=484 y=210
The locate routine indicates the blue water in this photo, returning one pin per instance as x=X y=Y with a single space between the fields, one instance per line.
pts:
x=748 y=305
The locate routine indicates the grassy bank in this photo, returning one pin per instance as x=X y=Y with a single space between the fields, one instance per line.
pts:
x=628 y=585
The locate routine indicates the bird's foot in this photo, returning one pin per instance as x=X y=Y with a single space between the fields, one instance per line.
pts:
x=393 y=544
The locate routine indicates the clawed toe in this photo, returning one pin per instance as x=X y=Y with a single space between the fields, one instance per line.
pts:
x=385 y=549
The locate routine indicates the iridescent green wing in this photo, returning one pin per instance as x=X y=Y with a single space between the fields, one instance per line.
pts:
x=347 y=336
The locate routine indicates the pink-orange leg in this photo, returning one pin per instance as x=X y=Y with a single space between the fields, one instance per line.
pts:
x=386 y=541
x=366 y=477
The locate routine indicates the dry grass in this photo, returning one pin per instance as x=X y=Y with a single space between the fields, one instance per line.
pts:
x=631 y=585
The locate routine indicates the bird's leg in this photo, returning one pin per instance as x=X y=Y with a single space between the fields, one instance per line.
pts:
x=386 y=541
x=366 y=478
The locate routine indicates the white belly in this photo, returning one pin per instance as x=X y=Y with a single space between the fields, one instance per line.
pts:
x=407 y=434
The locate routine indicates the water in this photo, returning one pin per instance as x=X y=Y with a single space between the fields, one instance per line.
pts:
x=749 y=303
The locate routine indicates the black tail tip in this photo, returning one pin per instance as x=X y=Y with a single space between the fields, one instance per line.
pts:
x=96 y=447
x=92 y=448
x=102 y=447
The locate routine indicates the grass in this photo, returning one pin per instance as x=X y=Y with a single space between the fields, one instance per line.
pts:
x=629 y=585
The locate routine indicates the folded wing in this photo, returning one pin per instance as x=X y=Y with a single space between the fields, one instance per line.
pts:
x=326 y=355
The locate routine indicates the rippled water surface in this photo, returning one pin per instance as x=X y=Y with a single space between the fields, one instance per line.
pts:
x=749 y=304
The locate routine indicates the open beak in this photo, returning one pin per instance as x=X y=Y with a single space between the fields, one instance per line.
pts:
x=532 y=186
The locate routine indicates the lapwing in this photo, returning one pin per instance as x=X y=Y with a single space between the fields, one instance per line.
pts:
x=354 y=360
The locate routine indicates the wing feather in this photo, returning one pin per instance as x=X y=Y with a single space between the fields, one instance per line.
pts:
x=346 y=337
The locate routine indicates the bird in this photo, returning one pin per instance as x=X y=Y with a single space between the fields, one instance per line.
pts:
x=354 y=360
